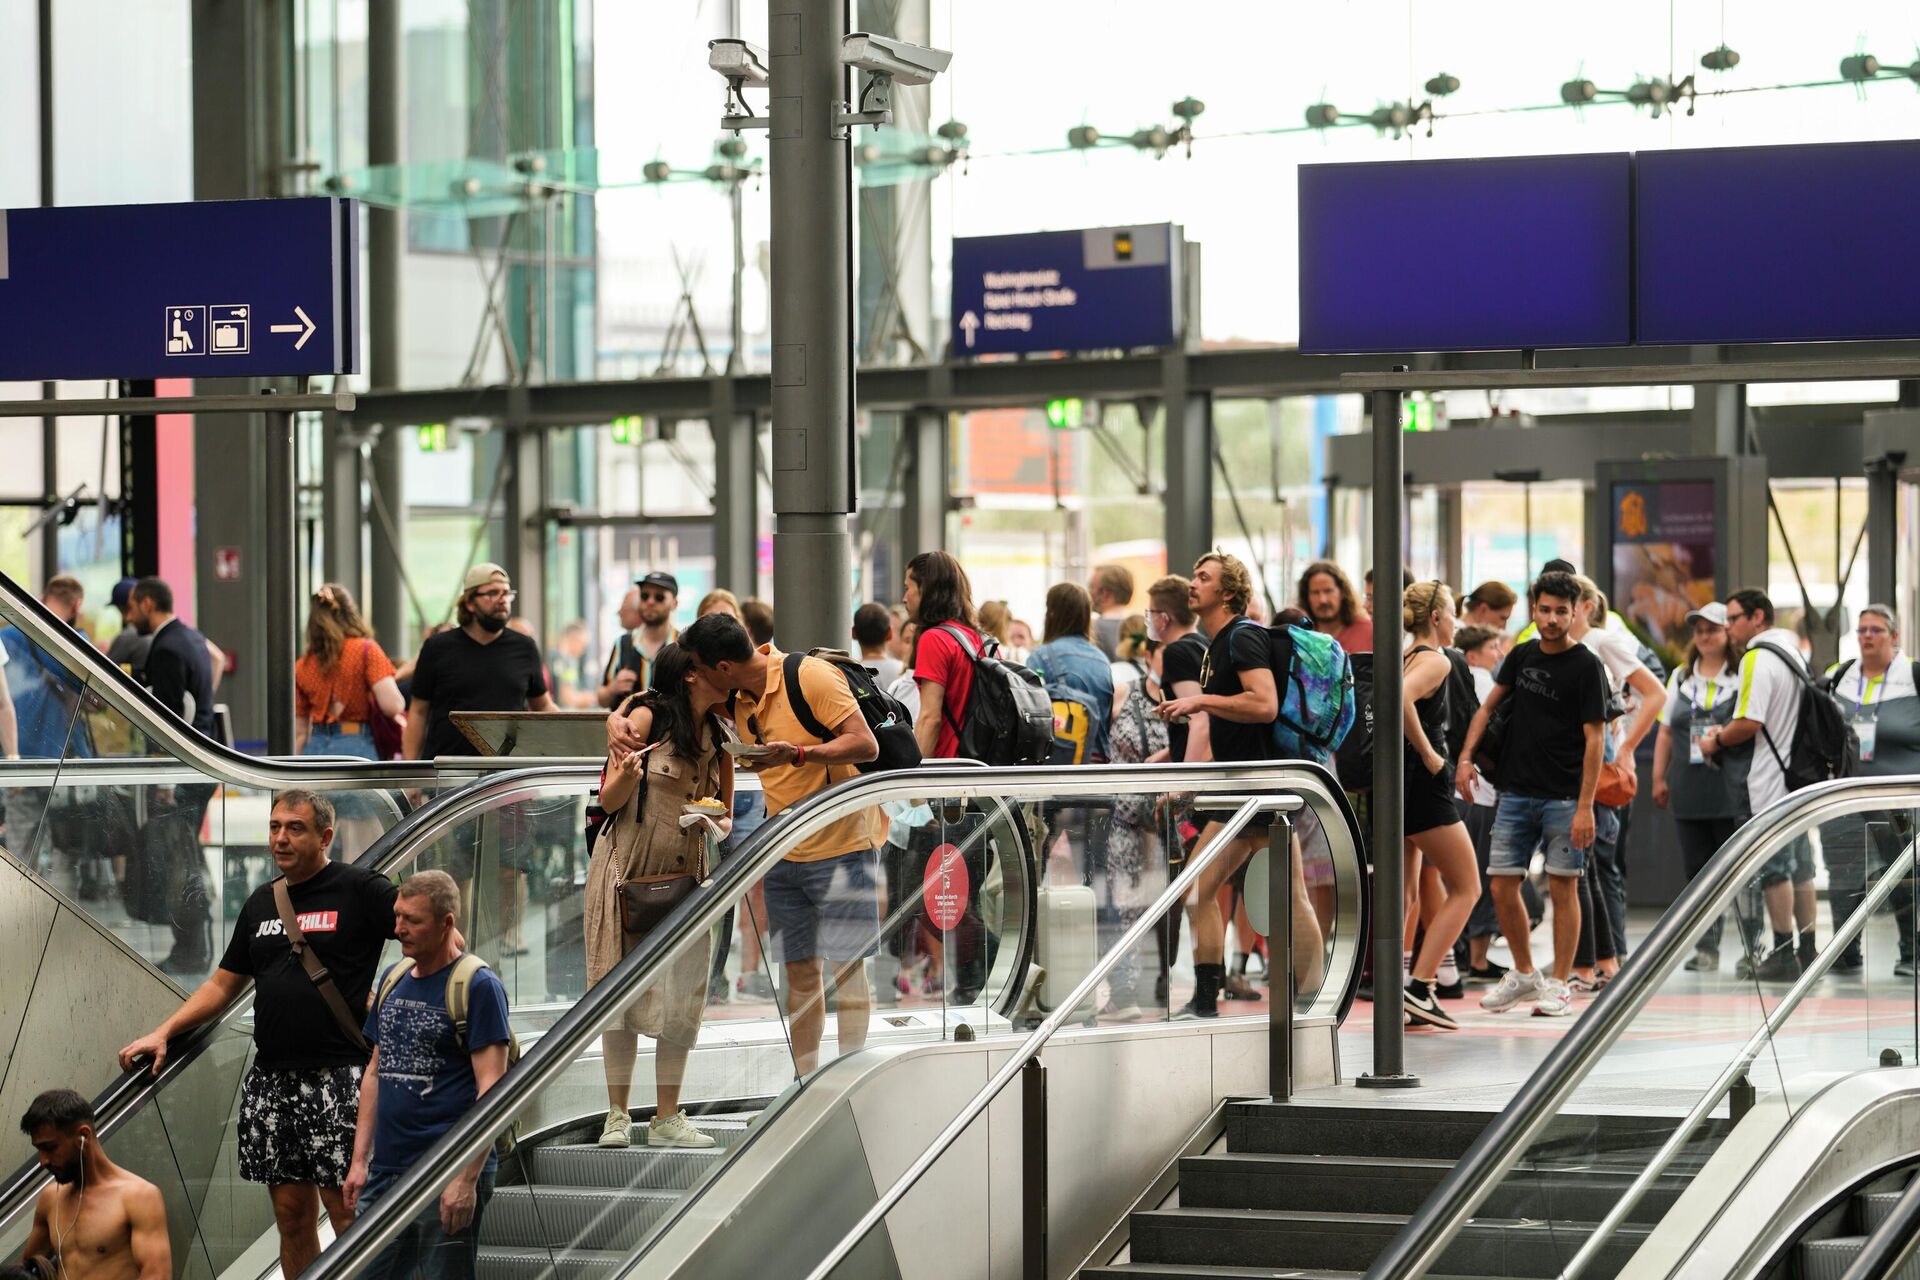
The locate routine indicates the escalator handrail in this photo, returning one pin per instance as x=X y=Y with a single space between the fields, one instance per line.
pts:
x=1068 y=1005
x=1417 y=1248
x=217 y=761
x=1892 y=1243
x=418 y=830
x=469 y=1136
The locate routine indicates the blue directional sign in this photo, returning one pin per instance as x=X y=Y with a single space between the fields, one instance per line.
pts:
x=1105 y=289
x=212 y=289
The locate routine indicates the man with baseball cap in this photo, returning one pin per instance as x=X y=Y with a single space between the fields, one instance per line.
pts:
x=652 y=600
x=479 y=665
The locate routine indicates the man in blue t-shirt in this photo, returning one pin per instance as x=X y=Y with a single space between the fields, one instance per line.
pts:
x=422 y=1079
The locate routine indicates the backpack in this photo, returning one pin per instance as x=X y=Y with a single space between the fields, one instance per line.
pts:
x=1824 y=745
x=1314 y=679
x=1353 y=757
x=885 y=715
x=1074 y=722
x=1009 y=715
x=459 y=982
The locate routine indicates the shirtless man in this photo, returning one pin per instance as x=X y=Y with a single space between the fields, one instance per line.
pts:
x=100 y=1221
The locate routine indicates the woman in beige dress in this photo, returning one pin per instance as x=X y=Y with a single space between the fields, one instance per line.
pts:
x=682 y=762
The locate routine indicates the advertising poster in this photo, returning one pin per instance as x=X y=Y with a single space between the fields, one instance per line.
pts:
x=1663 y=559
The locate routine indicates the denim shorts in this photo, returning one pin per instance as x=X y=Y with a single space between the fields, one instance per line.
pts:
x=1522 y=824
x=828 y=909
x=1792 y=864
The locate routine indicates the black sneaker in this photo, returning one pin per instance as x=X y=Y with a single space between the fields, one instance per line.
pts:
x=1487 y=975
x=1782 y=966
x=1903 y=968
x=1743 y=967
x=1426 y=1008
x=1846 y=967
x=1189 y=1011
x=1450 y=990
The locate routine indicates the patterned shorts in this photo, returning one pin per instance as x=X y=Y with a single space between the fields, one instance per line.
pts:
x=297 y=1125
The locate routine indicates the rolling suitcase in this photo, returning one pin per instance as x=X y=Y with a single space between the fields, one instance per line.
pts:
x=1066 y=944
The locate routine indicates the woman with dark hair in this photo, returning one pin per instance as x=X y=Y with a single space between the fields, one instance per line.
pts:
x=646 y=793
x=939 y=600
x=341 y=682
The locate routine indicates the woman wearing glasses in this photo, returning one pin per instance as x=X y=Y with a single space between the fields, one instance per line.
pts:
x=1434 y=831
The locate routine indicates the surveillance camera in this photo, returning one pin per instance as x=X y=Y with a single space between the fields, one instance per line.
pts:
x=907 y=64
x=739 y=61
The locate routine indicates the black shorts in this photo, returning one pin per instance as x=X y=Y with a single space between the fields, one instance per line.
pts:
x=1429 y=800
x=296 y=1125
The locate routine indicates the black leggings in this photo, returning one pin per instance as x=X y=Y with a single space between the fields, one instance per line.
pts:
x=1596 y=929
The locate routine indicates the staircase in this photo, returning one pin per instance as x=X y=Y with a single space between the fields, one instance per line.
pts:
x=579 y=1210
x=1864 y=1212
x=1319 y=1190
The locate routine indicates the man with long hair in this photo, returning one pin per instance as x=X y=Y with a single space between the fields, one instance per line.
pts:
x=1326 y=595
x=938 y=596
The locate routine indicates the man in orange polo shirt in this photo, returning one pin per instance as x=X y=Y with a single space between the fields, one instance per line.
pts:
x=823 y=903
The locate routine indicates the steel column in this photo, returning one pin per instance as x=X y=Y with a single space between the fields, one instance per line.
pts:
x=1389 y=781
x=1189 y=465
x=1033 y=1170
x=282 y=601
x=811 y=176
x=736 y=493
x=386 y=246
x=342 y=517
x=923 y=512
x=1883 y=530
x=524 y=540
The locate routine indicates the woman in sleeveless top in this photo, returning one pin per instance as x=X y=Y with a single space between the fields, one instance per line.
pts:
x=1432 y=824
x=342 y=681
x=682 y=762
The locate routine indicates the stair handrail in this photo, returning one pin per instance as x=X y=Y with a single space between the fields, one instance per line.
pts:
x=1417 y=1248
x=1247 y=809
x=578 y=1027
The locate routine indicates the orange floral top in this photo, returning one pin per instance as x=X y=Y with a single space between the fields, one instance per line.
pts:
x=349 y=682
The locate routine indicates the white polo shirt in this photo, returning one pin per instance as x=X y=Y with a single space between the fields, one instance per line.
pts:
x=1770 y=694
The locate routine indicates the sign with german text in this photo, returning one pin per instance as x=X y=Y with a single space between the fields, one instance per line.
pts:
x=1105 y=289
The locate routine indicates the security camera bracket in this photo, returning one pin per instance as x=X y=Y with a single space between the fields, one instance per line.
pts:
x=736 y=114
x=876 y=104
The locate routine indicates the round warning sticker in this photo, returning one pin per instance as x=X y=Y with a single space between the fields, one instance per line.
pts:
x=947 y=887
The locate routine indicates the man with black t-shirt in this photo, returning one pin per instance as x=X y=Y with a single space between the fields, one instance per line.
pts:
x=1182 y=654
x=301 y=1099
x=1548 y=772
x=480 y=665
x=1240 y=702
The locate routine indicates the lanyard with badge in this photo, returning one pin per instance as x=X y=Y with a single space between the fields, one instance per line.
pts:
x=1866 y=716
x=1697 y=726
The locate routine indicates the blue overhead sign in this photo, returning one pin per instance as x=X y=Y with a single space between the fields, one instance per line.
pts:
x=1106 y=289
x=211 y=289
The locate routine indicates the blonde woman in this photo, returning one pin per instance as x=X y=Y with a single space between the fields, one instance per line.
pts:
x=719 y=600
x=1432 y=824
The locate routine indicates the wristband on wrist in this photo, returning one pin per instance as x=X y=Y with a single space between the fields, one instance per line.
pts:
x=799 y=754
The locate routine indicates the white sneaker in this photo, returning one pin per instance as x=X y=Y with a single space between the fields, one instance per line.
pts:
x=1515 y=988
x=1557 y=1002
x=676 y=1131
x=618 y=1131
x=1448 y=974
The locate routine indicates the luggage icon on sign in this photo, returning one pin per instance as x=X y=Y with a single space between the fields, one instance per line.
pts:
x=231 y=329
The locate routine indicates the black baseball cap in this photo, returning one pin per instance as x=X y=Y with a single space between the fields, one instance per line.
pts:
x=665 y=581
x=1558 y=566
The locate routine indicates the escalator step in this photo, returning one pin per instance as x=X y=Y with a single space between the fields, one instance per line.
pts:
x=654 y=1168
x=572 y=1217
x=1876 y=1207
x=544 y=1264
x=1829 y=1259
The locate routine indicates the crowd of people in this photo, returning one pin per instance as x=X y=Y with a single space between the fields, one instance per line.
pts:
x=1519 y=758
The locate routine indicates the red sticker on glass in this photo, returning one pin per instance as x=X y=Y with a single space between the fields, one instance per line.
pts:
x=947 y=887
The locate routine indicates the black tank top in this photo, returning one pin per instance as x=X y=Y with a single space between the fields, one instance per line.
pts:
x=1431 y=711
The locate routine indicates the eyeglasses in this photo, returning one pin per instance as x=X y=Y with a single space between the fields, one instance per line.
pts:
x=1872 y=631
x=656 y=596
x=497 y=593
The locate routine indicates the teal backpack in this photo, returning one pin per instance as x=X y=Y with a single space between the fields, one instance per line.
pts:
x=1314 y=678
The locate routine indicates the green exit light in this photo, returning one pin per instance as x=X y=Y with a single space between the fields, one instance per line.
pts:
x=628 y=430
x=1419 y=415
x=432 y=437
x=1066 y=414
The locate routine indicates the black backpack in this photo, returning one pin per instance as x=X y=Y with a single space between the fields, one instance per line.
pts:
x=885 y=714
x=1009 y=716
x=1353 y=759
x=1824 y=745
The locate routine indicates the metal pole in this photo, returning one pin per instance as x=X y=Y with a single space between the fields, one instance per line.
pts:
x=281 y=597
x=1033 y=1170
x=810 y=172
x=1389 y=782
x=1280 y=958
x=49 y=434
x=737 y=324
x=386 y=247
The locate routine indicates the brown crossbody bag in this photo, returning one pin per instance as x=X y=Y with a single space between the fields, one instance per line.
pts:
x=316 y=972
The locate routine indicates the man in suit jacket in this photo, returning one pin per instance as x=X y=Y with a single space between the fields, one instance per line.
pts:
x=178 y=668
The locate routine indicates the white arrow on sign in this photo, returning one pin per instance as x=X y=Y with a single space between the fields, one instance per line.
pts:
x=968 y=324
x=308 y=326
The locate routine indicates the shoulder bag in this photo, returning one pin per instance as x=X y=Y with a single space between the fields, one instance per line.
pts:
x=316 y=972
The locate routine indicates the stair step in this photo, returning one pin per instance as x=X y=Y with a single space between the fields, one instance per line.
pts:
x=1203 y=1271
x=545 y=1264
x=589 y=1218
x=1295 y=1129
x=1829 y=1259
x=646 y=1168
x=1379 y=1184
x=1876 y=1207
x=1351 y=1241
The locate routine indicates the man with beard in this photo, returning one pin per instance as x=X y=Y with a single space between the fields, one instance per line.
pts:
x=96 y=1221
x=1326 y=594
x=479 y=665
x=646 y=622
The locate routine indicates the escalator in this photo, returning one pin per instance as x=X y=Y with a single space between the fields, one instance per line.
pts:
x=800 y=1154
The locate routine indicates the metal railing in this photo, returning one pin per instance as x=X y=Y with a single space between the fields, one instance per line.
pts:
x=1025 y=1061
x=1418 y=1248
x=1892 y=1244
x=577 y=1030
